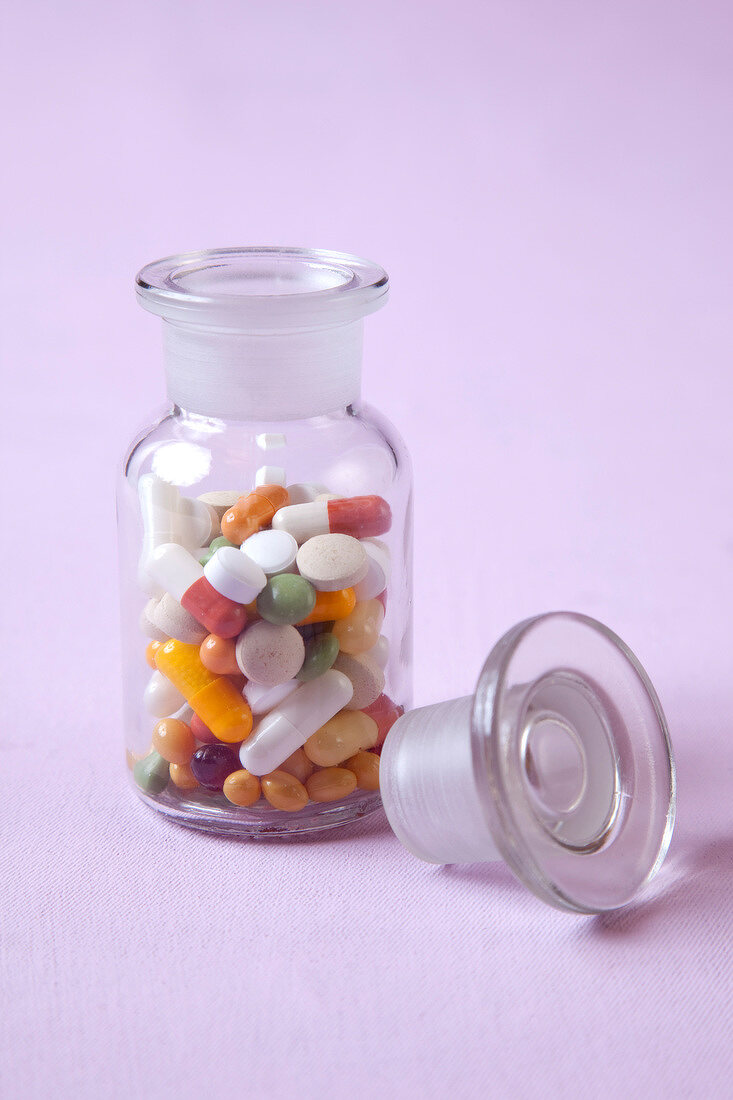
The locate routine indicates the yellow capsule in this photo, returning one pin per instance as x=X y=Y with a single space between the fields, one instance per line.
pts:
x=365 y=766
x=183 y=777
x=341 y=737
x=284 y=791
x=150 y=651
x=242 y=788
x=214 y=698
x=330 y=606
x=359 y=631
x=330 y=784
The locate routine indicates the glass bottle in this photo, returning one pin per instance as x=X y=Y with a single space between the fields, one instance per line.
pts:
x=265 y=549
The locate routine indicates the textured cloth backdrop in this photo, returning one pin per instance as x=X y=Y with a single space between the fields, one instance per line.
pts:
x=549 y=186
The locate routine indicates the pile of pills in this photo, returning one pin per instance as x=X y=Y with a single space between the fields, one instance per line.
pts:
x=264 y=619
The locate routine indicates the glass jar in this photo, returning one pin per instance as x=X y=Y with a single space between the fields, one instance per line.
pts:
x=265 y=549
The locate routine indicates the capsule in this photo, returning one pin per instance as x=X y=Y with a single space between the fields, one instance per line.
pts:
x=330 y=606
x=341 y=737
x=330 y=784
x=361 y=517
x=289 y=726
x=169 y=517
x=183 y=577
x=253 y=512
x=214 y=698
x=359 y=631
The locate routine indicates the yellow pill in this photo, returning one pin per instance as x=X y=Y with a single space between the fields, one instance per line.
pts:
x=359 y=631
x=365 y=766
x=150 y=652
x=298 y=765
x=330 y=784
x=214 y=698
x=341 y=737
x=242 y=788
x=283 y=791
x=174 y=741
x=330 y=606
x=183 y=777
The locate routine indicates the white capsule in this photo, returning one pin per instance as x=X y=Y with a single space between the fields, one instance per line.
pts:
x=289 y=726
x=161 y=698
x=303 y=521
x=261 y=698
x=159 y=513
x=377 y=578
x=270 y=441
x=305 y=492
x=274 y=551
x=174 y=569
x=270 y=475
x=234 y=575
x=380 y=651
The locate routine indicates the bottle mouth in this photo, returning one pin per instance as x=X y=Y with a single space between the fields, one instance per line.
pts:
x=256 y=289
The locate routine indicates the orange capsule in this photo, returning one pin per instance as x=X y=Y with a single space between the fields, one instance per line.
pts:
x=217 y=654
x=298 y=765
x=174 y=741
x=253 y=512
x=183 y=777
x=365 y=766
x=330 y=784
x=242 y=788
x=283 y=791
x=330 y=606
x=150 y=652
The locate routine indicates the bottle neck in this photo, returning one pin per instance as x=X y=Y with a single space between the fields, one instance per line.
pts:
x=287 y=375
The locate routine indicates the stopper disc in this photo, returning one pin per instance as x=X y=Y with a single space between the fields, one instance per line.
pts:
x=581 y=781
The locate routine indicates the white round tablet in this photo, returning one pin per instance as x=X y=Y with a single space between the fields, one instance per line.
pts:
x=273 y=551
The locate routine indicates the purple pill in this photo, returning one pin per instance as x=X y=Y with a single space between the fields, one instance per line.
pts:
x=211 y=764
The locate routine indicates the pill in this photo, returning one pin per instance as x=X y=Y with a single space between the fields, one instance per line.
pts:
x=291 y=723
x=183 y=778
x=367 y=678
x=217 y=543
x=361 y=517
x=151 y=773
x=359 y=631
x=174 y=741
x=297 y=764
x=150 y=652
x=284 y=792
x=332 y=562
x=385 y=713
x=270 y=441
x=159 y=513
x=217 y=654
x=253 y=512
x=235 y=575
x=378 y=570
x=262 y=699
x=200 y=730
x=304 y=492
x=221 y=500
x=380 y=651
x=214 y=698
x=241 y=788
x=339 y=738
x=199 y=522
x=320 y=653
x=161 y=698
x=330 y=784
x=329 y=606
x=270 y=475
x=175 y=622
x=179 y=573
x=273 y=551
x=365 y=766
x=147 y=625
x=286 y=599
x=211 y=764
x=269 y=654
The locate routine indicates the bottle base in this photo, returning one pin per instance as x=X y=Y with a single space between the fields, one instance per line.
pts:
x=212 y=813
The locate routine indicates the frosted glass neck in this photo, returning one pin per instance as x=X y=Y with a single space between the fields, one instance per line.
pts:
x=285 y=375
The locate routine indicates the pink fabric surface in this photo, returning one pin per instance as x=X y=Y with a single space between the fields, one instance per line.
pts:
x=549 y=186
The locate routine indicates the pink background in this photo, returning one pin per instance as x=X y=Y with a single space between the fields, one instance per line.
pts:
x=549 y=186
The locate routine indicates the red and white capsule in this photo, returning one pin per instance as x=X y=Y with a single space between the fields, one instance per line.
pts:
x=361 y=517
x=178 y=572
